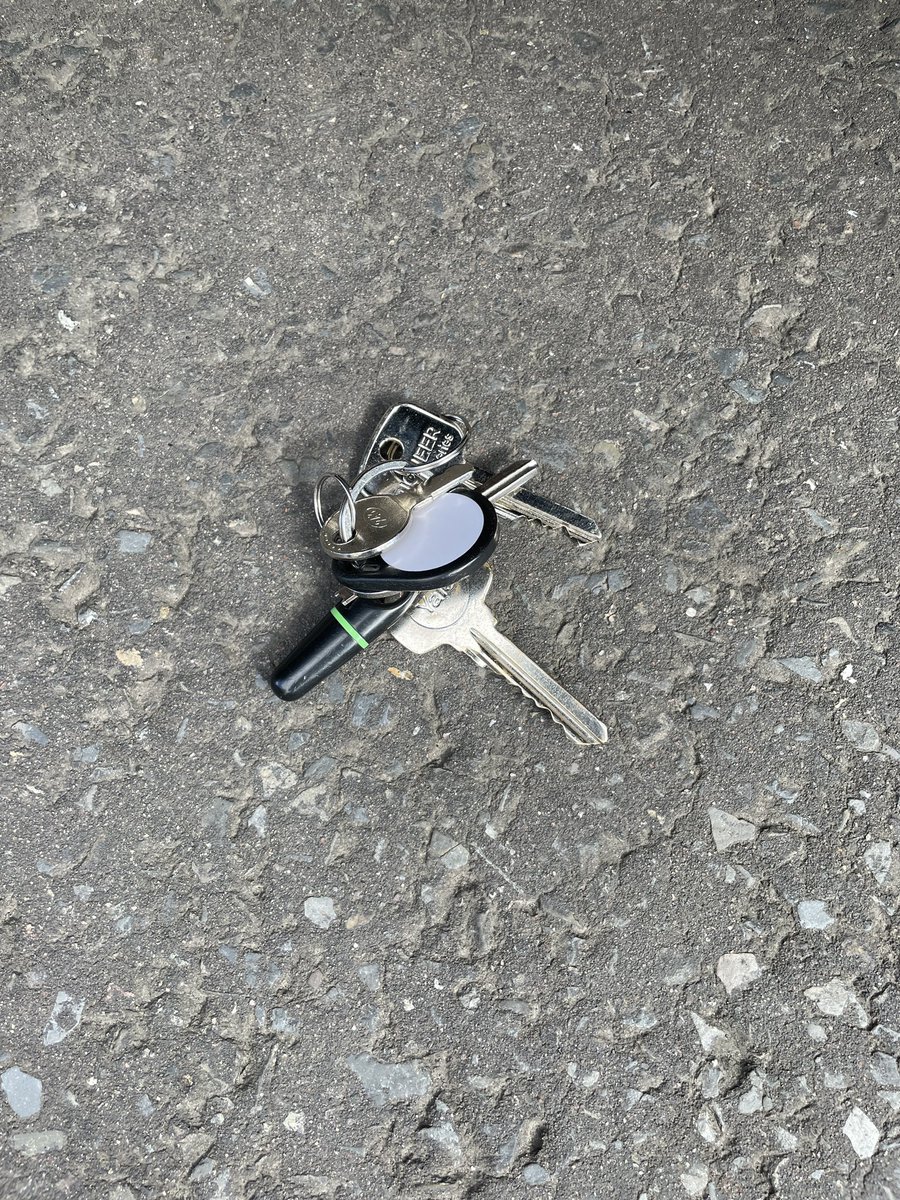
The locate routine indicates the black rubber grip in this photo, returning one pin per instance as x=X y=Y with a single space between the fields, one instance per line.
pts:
x=347 y=630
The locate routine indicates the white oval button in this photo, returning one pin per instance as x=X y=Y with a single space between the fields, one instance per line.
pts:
x=437 y=534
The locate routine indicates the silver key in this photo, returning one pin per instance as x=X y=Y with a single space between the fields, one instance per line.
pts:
x=505 y=483
x=522 y=503
x=410 y=432
x=377 y=523
x=459 y=617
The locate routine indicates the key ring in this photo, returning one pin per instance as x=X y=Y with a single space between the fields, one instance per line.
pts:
x=349 y=504
x=352 y=493
x=347 y=525
x=399 y=467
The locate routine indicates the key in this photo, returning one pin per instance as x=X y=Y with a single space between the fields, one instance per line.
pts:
x=377 y=522
x=408 y=431
x=459 y=617
x=522 y=503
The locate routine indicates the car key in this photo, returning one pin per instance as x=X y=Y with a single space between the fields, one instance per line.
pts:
x=459 y=617
x=411 y=432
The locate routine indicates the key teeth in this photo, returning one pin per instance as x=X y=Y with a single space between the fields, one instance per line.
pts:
x=494 y=666
x=579 y=537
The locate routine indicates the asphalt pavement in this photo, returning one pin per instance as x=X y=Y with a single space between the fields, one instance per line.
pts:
x=402 y=939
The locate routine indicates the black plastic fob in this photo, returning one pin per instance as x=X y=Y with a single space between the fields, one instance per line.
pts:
x=347 y=630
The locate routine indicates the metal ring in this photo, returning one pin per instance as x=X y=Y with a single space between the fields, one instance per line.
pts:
x=389 y=468
x=399 y=467
x=348 y=504
x=463 y=425
x=347 y=516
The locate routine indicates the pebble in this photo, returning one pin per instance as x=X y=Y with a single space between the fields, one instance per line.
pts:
x=319 y=769
x=736 y=971
x=40 y=1142
x=131 y=541
x=862 y=1133
x=728 y=359
x=879 y=858
x=31 y=733
x=85 y=754
x=785 y=1139
x=534 y=1175
x=274 y=777
x=712 y=1039
x=862 y=735
x=728 y=830
x=370 y=712
x=295 y=1122
x=257 y=820
x=818 y=520
x=389 y=1083
x=884 y=1071
x=837 y=999
x=64 y=1019
x=446 y=1137
x=704 y=712
x=806 y=668
x=50 y=278
x=257 y=284
x=23 y=1092
x=812 y=914
x=130 y=657
x=768 y=320
x=746 y=391
x=696 y=1180
x=320 y=910
x=707 y=1124
x=370 y=975
x=752 y=1100
x=448 y=851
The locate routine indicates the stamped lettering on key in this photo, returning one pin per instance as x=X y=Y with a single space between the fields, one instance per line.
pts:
x=432 y=445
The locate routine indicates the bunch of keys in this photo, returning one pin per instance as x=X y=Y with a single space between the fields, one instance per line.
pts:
x=410 y=545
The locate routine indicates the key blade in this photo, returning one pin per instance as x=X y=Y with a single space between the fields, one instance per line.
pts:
x=509 y=480
x=494 y=650
x=522 y=503
x=459 y=617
